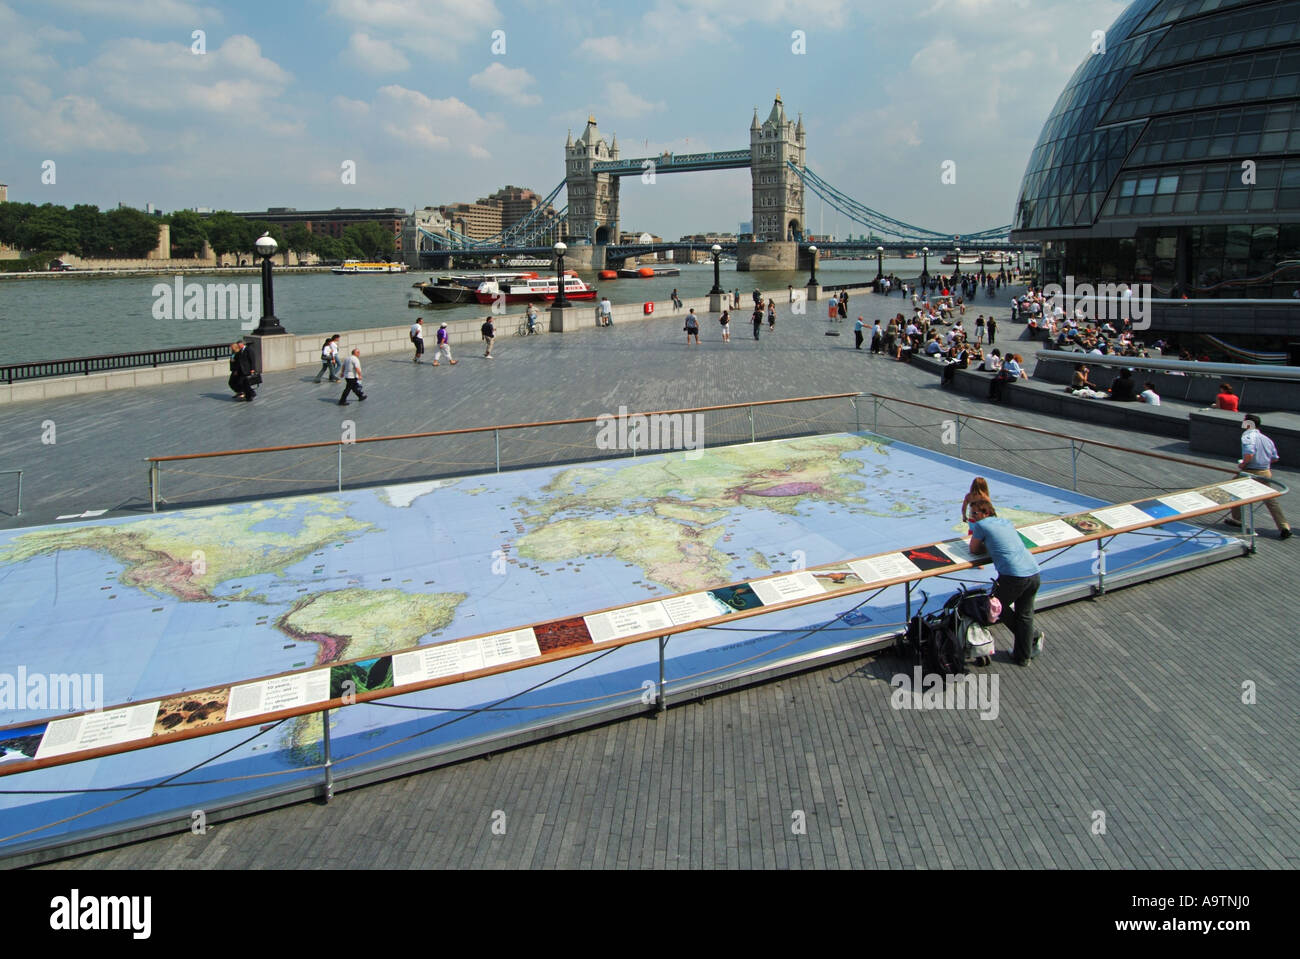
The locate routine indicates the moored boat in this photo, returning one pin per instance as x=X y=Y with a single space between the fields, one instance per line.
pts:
x=648 y=272
x=352 y=267
x=461 y=288
x=536 y=288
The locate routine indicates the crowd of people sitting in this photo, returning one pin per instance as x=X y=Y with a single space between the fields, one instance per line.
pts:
x=1043 y=314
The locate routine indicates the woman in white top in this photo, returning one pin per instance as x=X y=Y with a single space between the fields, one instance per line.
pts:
x=329 y=359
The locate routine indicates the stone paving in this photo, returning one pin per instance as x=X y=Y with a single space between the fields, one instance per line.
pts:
x=1134 y=711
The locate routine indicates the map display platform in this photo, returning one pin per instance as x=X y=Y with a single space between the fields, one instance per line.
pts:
x=226 y=624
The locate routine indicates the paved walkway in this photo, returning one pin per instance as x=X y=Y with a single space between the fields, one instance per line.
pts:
x=1134 y=713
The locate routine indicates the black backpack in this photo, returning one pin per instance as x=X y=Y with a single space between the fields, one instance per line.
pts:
x=932 y=641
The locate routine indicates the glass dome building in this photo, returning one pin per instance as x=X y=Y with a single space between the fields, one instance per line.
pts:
x=1173 y=155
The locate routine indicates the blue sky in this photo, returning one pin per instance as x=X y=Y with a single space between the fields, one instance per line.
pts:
x=411 y=92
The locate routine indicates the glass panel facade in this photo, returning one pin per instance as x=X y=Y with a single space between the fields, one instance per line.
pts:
x=1183 y=141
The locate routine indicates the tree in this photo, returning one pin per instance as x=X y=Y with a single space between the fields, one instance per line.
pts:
x=188 y=235
x=297 y=238
x=229 y=233
x=131 y=233
x=12 y=216
x=370 y=239
x=50 y=227
x=92 y=229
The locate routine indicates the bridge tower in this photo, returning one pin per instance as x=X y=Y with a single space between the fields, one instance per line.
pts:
x=778 y=190
x=593 y=197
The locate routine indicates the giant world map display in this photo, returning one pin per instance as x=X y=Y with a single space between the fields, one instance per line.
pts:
x=164 y=604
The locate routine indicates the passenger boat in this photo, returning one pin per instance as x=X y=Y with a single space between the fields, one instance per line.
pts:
x=461 y=288
x=648 y=272
x=535 y=288
x=951 y=260
x=351 y=267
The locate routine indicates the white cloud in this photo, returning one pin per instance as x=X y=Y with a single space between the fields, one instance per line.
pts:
x=621 y=102
x=427 y=28
x=374 y=56
x=442 y=126
x=506 y=82
x=233 y=79
x=68 y=124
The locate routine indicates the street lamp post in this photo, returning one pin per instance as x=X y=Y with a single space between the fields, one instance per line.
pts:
x=925 y=266
x=268 y=325
x=956 y=270
x=880 y=262
x=717 y=276
x=981 y=264
x=812 y=280
x=561 y=300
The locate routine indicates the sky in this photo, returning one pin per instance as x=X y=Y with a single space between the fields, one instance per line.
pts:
x=245 y=105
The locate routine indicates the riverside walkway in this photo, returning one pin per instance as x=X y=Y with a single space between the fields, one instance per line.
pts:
x=1135 y=710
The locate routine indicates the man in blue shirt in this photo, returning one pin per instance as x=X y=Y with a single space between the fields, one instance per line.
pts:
x=1018 y=580
x=1258 y=454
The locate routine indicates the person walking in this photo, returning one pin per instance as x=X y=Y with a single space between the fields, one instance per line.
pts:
x=443 y=343
x=877 y=338
x=329 y=359
x=606 y=312
x=992 y=327
x=771 y=316
x=757 y=320
x=243 y=375
x=352 y=377
x=832 y=309
x=857 y=334
x=417 y=337
x=1258 y=454
x=1018 y=578
x=692 y=327
x=725 y=320
x=489 y=334
x=979 y=330
x=842 y=305
x=677 y=300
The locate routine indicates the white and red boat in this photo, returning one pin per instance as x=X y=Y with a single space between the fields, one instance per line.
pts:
x=533 y=288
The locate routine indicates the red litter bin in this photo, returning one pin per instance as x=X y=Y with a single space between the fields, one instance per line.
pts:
x=648 y=308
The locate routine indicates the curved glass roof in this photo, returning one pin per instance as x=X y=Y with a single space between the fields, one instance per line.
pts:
x=1158 y=123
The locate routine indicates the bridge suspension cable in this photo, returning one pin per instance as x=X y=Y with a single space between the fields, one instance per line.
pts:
x=883 y=223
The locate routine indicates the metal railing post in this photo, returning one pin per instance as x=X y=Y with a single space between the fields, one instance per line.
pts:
x=875 y=414
x=663 y=685
x=907 y=602
x=751 y=424
x=857 y=415
x=329 y=762
x=959 y=436
x=20 y=493
x=1101 y=567
x=1250 y=524
x=1074 y=467
x=496 y=442
x=155 y=480
x=340 y=467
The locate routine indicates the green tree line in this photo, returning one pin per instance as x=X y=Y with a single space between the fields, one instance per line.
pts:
x=85 y=230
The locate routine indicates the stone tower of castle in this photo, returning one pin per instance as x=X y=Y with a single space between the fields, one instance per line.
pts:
x=778 y=190
x=593 y=197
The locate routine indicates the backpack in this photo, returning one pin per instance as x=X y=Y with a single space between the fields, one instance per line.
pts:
x=932 y=641
x=973 y=612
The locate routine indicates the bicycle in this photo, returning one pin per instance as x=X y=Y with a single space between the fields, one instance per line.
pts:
x=524 y=329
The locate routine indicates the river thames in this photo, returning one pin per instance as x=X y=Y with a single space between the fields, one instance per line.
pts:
x=47 y=317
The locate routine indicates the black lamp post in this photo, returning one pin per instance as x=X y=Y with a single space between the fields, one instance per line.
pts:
x=812 y=280
x=717 y=276
x=981 y=264
x=268 y=325
x=561 y=300
x=925 y=265
x=956 y=270
x=880 y=262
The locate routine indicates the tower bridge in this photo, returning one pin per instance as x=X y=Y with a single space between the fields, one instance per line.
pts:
x=780 y=180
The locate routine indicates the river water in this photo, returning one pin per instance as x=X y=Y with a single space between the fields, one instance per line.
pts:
x=45 y=318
